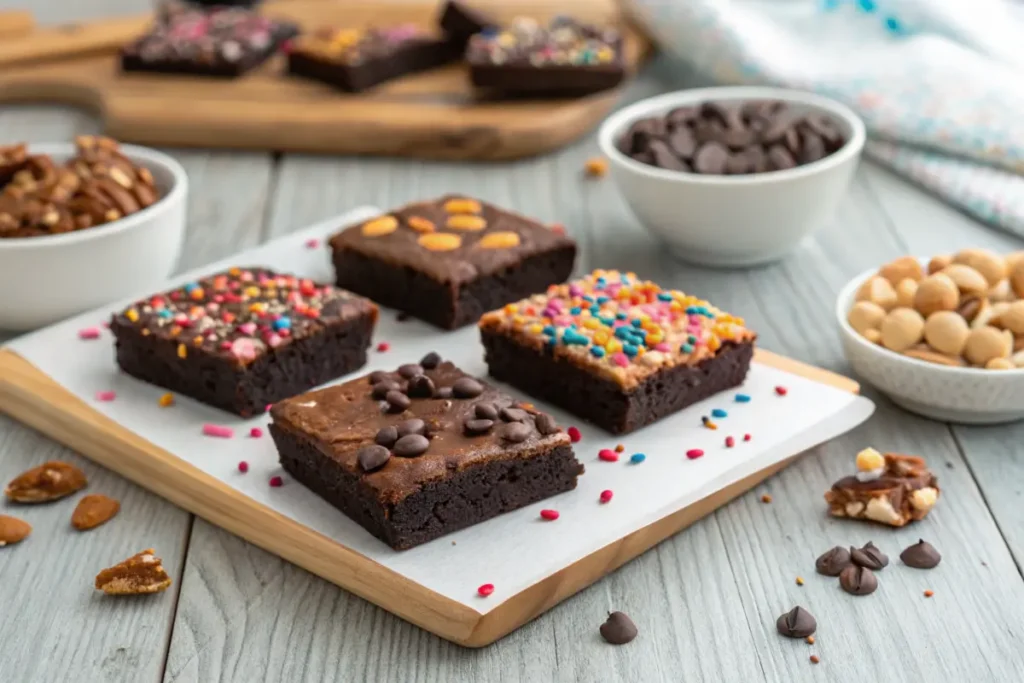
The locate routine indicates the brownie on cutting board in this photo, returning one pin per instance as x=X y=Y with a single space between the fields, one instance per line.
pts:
x=421 y=452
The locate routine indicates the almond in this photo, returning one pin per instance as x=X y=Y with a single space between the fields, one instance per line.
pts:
x=13 y=530
x=140 y=574
x=94 y=510
x=49 y=481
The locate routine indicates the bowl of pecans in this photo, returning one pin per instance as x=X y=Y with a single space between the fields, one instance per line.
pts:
x=733 y=176
x=84 y=224
x=942 y=337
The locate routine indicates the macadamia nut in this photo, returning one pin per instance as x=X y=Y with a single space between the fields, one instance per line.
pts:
x=985 y=343
x=992 y=266
x=936 y=292
x=946 y=332
x=865 y=316
x=906 y=268
x=906 y=290
x=1012 y=318
x=967 y=279
x=877 y=290
x=1017 y=279
x=938 y=263
x=901 y=329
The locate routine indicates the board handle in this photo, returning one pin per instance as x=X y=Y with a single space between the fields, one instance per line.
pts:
x=14 y=24
x=69 y=40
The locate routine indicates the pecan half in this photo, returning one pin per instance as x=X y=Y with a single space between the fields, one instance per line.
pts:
x=140 y=574
x=93 y=511
x=13 y=530
x=49 y=481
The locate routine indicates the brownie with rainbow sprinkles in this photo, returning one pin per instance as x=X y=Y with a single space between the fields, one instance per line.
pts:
x=616 y=350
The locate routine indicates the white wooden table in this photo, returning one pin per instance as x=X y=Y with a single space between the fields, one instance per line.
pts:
x=705 y=601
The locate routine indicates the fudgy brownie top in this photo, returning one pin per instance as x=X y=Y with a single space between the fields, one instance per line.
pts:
x=400 y=430
x=352 y=46
x=564 y=42
x=618 y=326
x=452 y=239
x=242 y=313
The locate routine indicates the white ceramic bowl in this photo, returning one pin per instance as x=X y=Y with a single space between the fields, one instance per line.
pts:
x=46 y=279
x=741 y=220
x=963 y=395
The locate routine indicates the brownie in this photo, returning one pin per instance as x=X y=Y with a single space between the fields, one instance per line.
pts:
x=242 y=339
x=566 y=58
x=888 y=488
x=460 y=23
x=450 y=260
x=421 y=452
x=354 y=60
x=223 y=42
x=616 y=350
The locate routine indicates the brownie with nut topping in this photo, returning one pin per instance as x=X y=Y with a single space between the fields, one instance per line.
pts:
x=450 y=260
x=423 y=451
x=244 y=338
x=616 y=350
x=892 y=489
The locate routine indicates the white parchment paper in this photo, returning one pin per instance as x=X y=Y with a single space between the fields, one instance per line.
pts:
x=513 y=551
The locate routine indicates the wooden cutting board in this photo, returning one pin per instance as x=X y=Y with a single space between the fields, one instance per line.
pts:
x=431 y=115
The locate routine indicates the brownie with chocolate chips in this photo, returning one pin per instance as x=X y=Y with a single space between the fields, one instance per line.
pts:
x=242 y=339
x=423 y=451
x=223 y=42
x=616 y=350
x=450 y=260
x=566 y=58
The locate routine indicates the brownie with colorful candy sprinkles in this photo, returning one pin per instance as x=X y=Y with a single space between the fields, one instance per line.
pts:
x=616 y=350
x=245 y=338
x=423 y=451
x=565 y=58
x=450 y=260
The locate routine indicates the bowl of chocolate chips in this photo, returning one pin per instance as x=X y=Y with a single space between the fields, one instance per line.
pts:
x=733 y=176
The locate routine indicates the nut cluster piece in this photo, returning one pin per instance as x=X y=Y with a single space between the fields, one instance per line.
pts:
x=99 y=185
x=963 y=310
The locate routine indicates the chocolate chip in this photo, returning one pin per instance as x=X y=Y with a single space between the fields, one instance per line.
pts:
x=372 y=457
x=486 y=411
x=478 y=426
x=711 y=158
x=812 y=149
x=411 y=445
x=778 y=126
x=546 y=424
x=516 y=432
x=682 y=143
x=709 y=131
x=381 y=389
x=680 y=116
x=618 y=629
x=869 y=556
x=411 y=426
x=410 y=370
x=737 y=164
x=738 y=138
x=757 y=159
x=513 y=414
x=833 y=562
x=664 y=158
x=443 y=392
x=378 y=376
x=858 y=580
x=921 y=555
x=387 y=436
x=397 y=401
x=796 y=623
x=827 y=129
x=791 y=141
x=430 y=361
x=421 y=386
x=467 y=387
x=779 y=158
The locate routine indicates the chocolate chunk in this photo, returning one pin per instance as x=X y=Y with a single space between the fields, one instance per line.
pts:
x=757 y=158
x=827 y=129
x=796 y=623
x=717 y=111
x=387 y=436
x=664 y=157
x=682 y=143
x=711 y=158
x=546 y=424
x=421 y=386
x=779 y=158
x=513 y=414
x=430 y=361
x=410 y=370
x=791 y=140
x=869 y=556
x=411 y=445
x=378 y=376
x=516 y=432
x=779 y=125
x=737 y=164
x=738 y=138
x=478 y=426
x=486 y=411
x=444 y=392
x=681 y=116
x=709 y=131
x=372 y=457
x=413 y=426
x=467 y=387
x=618 y=629
x=812 y=149
x=921 y=555
x=381 y=389
x=833 y=562
x=397 y=401
x=858 y=580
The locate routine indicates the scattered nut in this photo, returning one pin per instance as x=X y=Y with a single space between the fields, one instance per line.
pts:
x=901 y=329
x=906 y=290
x=13 y=530
x=877 y=290
x=967 y=279
x=946 y=332
x=596 y=167
x=936 y=292
x=49 y=481
x=905 y=268
x=938 y=263
x=142 y=573
x=985 y=343
x=93 y=511
x=865 y=315
x=992 y=266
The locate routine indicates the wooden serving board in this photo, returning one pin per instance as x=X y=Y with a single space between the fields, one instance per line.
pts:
x=32 y=397
x=429 y=115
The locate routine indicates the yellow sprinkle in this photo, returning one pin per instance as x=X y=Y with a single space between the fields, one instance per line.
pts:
x=166 y=400
x=462 y=206
x=421 y=224
x=799 y=581
x=439 y=241
x=235 y=271
x=464 y=221
x=252 y=291
x=655 y=338
x=591 y=323
x=501 y=239
x=518 y=319
x=511 y=308
x=182 y=351
x=257 y=307
x=380 y=226
x=535 y=328
x=146 y=332
x=713 y=343
x=132 y=314
x=601 y=337
x=613 y=345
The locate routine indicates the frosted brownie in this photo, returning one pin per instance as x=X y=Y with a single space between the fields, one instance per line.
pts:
x=888 y=488
x=616 y=350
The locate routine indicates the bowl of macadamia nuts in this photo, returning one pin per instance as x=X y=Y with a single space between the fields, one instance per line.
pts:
x=942 y=337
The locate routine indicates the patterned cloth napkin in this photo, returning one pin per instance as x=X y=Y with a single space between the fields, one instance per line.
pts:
x=939 y=83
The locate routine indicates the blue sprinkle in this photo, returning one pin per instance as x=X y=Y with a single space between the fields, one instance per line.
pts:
x=742 y=398
x=894 y=25
x=597 y=351
x=601 y=280
x=191 y=287
x=637 y=322
x=829 y=5
x=867 y=5
x=575 y=310
x=692 y=310
x=692 y=339
x=164 y=313
x=686 y=348
x=637 y=458
x=602 y=299
x=718 y=412
x=283 y=323
x=664 y=296
x=605 y=320
x=588 y=298
x=549 y=330
x=630 y=350
x=621 y=316
x=595 y=309
x=623 y=333
x=572 y=337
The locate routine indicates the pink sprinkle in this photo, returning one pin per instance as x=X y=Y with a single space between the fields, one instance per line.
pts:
x=276 y=482
x=620 y=359
x=106 y=324
x=383 y=346
x=255 y=432
x=550 y=515
x=268 y=407
x=106 y=395
x=312 y=243
x=574 y=434
x=89 y=333
x=781 y=391
x=247 y=328
x=663 y=347
x=608 y=455
x=694 y=453
x=485 y=590
x=243 y=467
x=746 y=437
x=729 y=442
x=218 y=431
x=606 y=495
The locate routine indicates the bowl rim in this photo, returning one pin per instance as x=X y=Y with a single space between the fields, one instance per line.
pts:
x=845 y=301
x=614 y=124
x=148 y=157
